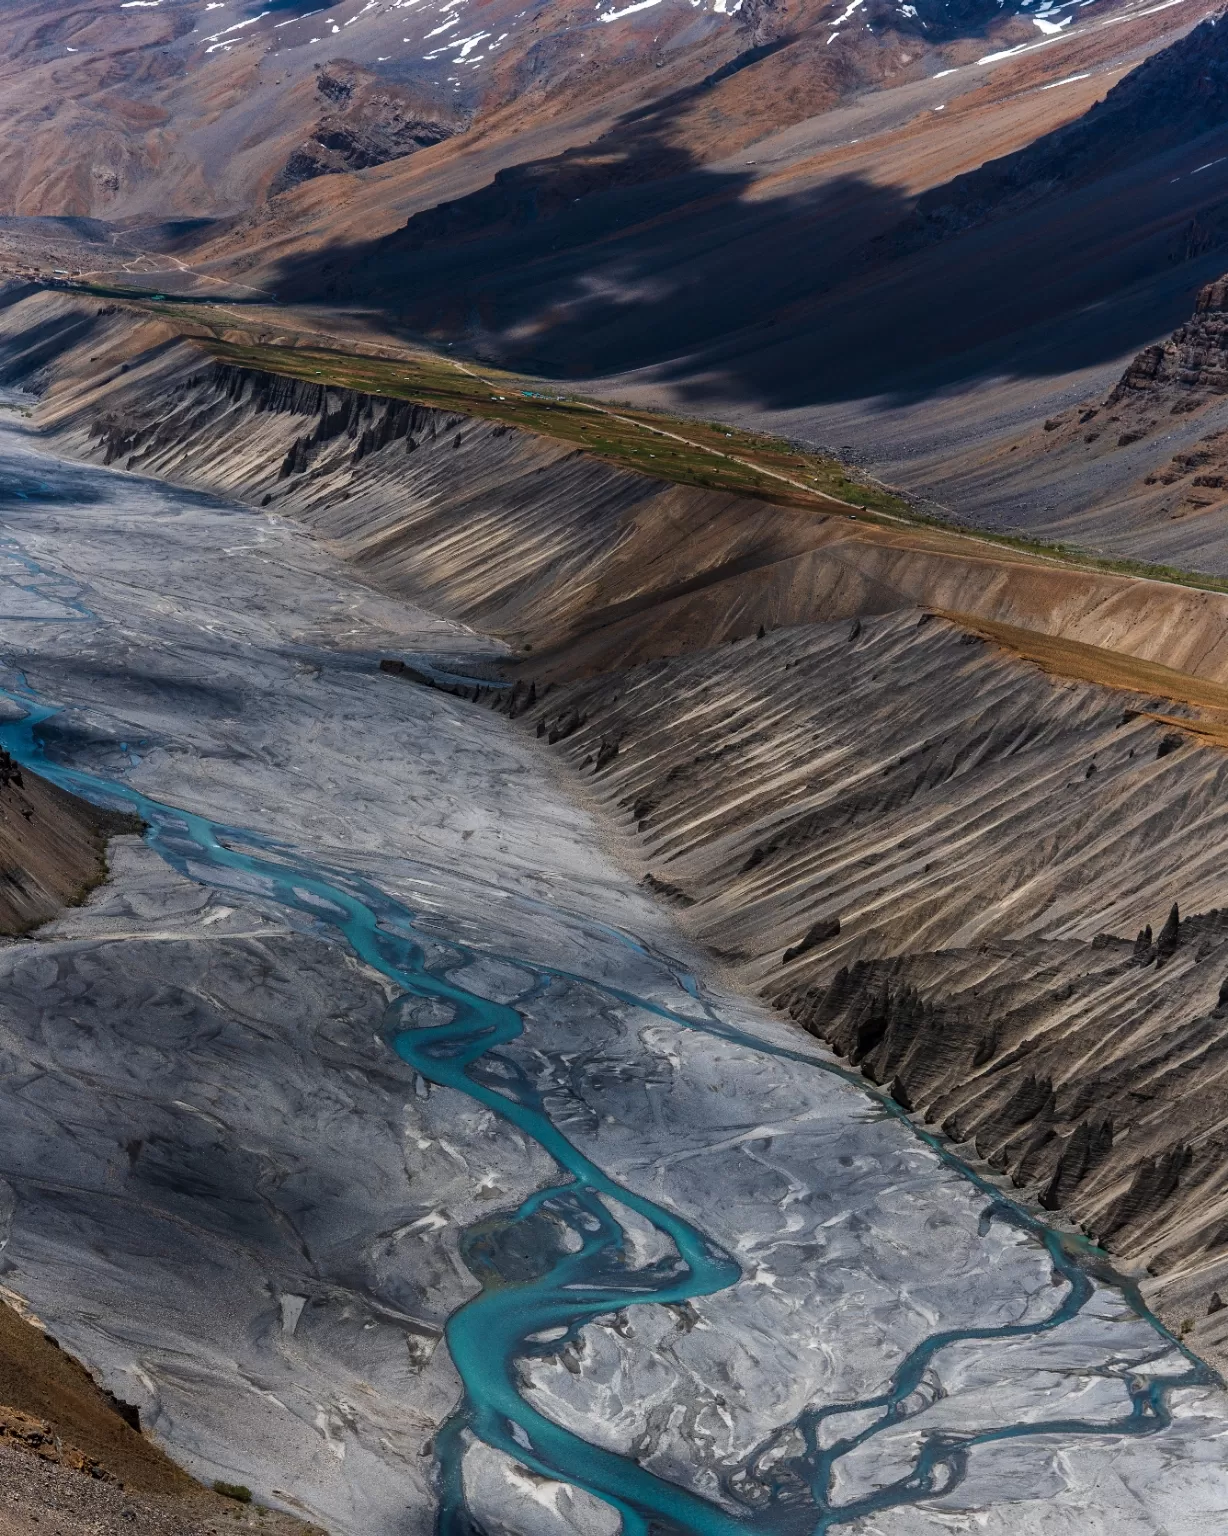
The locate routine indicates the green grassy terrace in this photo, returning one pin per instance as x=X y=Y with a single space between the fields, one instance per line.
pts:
x=709 y=454
x=714 y=455
x=697 y=453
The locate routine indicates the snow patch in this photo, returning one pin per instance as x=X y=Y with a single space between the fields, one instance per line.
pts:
x=640 y=5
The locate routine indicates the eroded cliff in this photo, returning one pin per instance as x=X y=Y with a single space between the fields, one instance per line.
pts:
x=525 y=536
x=933 y=852
x=939 y=860
x=52 y=848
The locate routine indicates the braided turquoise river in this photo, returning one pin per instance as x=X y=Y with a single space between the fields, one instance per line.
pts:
x=910 y=1429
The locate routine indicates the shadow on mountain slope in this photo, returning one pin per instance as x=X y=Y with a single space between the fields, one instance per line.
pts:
x=629 y=253
x=603 y=258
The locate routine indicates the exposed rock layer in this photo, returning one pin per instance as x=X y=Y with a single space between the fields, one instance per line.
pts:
x=364 y=122
x=870 y=791
x=937 y=859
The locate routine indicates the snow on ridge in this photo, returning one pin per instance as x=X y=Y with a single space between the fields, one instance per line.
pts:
x=639 y=5
x=215 y=42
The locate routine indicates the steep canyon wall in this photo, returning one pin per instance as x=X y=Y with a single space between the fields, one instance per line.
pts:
x=931 y=852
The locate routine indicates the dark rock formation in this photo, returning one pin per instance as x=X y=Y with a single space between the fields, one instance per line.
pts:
x=1090 y=1143
x=10 y=772
x=397 y=668
x=367 y=423
x=1170 y=936
x=366 y=123
x=818 y=933
x=1194 y=358
x=1155 y=1181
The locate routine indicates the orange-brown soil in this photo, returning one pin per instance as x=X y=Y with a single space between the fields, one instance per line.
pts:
x=52 y=850
x=73 y=1460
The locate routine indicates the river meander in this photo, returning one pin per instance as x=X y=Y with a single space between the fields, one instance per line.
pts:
x=457 y=1078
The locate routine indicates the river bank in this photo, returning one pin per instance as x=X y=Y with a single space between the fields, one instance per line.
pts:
x=264 y=1219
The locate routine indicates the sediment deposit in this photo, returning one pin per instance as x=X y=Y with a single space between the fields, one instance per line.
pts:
x=934 y=854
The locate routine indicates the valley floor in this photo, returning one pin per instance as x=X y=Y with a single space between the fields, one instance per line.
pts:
x=231 y=1199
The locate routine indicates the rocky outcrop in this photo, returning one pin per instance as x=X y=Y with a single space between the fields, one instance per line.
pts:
x=363 y=423
x=1195 y=358
x=366 y=122
x=1171 y=388
x=1060 y=1063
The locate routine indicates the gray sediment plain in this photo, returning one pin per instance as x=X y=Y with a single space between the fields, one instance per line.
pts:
x=226 y=1195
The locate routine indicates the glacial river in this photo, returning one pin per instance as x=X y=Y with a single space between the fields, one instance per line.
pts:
x=550 y=1269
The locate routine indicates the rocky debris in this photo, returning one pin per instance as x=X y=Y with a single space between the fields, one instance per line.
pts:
x=988 y=1058
x=1169 y=379
x=862 y=1016
x=765 y=20
x=43 y=1497
x=567 y=725
x=607 y=751
x=369 y=422
x=73 y=1459
x=366 y=122
x=38 y=1437
x=518 y=701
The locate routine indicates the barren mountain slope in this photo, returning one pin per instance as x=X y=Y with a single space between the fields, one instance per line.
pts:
x=620 y=252
x=972 y=824
x=591 y=564
x=1139 y=469
x=146 y=113
x=989 y=300
x=938 y=859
